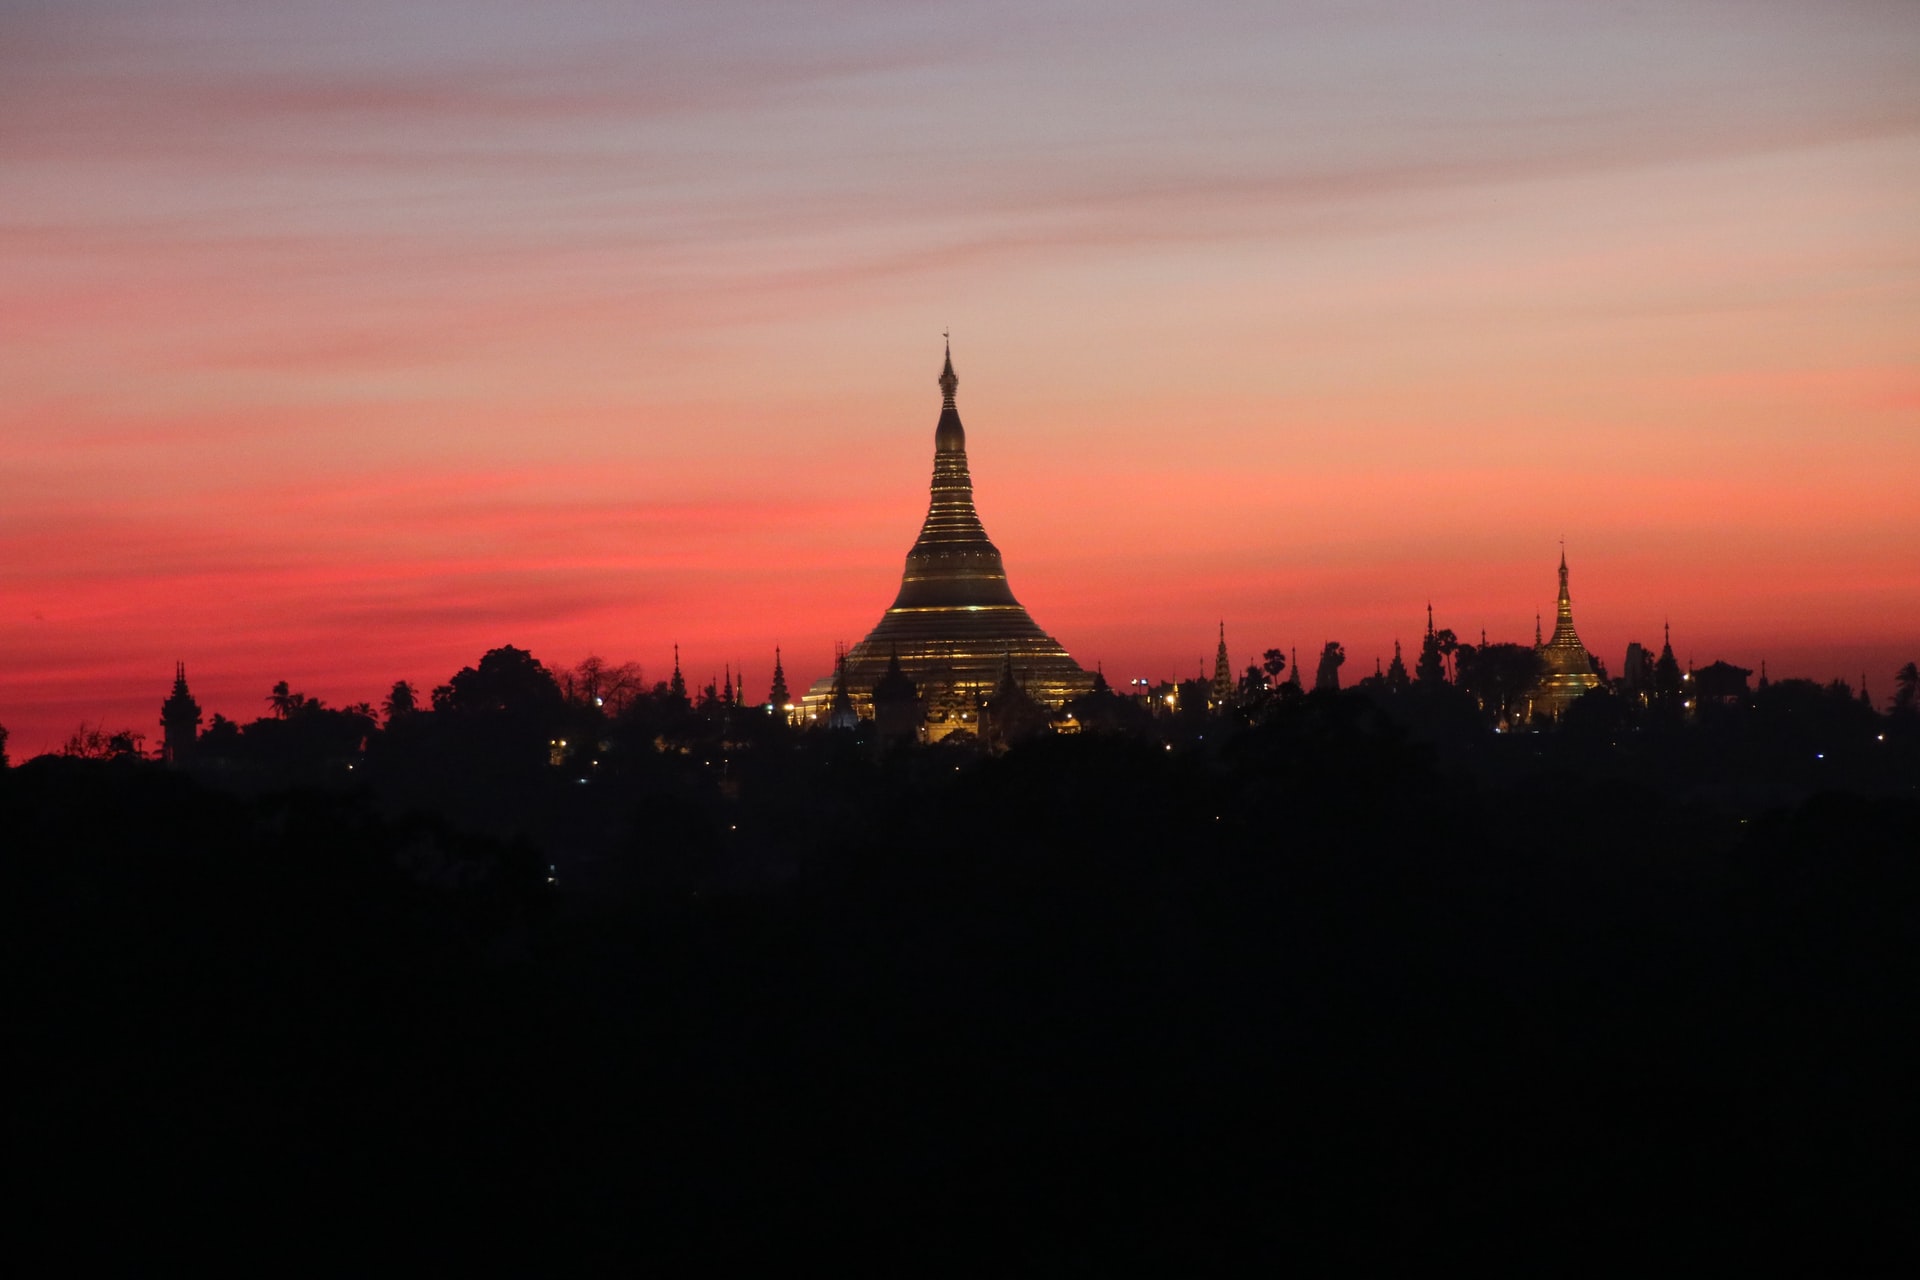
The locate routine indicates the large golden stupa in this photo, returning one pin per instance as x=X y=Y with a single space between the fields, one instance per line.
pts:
x=955 y=625
x=1566 y=668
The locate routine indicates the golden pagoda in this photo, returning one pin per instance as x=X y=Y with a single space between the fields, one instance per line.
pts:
x=1566 y=668
x=955 y=625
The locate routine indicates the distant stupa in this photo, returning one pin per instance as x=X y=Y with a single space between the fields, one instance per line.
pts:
x=1566 y=666
x=955 y=624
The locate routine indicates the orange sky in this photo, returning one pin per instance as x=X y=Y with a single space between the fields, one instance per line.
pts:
x=342 y=343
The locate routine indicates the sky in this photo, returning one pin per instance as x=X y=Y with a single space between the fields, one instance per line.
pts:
x=342 y=342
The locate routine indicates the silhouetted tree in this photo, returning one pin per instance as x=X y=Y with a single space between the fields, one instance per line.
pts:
x=91 y=742
x=1906 y=689
x=1274 y=663
x=507 y=680
x=508 y=703
x=595 y=682
x=312 y=739
x=1104 y=710
x=222 y=738
x=1331 y=658
x=1499 y=676
x=3 y=746
x=401 y=701
x=285 y=702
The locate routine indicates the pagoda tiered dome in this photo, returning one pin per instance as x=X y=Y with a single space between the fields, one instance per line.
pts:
x=1566 y=668
x=955 y=623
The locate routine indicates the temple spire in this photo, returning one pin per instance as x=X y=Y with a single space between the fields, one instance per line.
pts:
x=778 y=696
x=1567 y=671
x=955 y=611
x=179 y=720
x=1222 y=690
x=841 y=713
x=949 y=381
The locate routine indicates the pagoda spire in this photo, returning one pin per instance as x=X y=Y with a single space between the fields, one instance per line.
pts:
x=841 y=713
x=1222 y=690
x=954 y=610
x=1397 y=670
x=179 y=719
x=778 y=696
x=1567 y=666
x=678 y=685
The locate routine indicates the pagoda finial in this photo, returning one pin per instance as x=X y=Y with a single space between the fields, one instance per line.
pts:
x=1536 y=630
x=777 y=695
x=1429 y=619
x=949 y=381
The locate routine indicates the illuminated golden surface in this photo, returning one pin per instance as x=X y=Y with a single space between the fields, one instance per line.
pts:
x=1566 y=667
x=955 y=621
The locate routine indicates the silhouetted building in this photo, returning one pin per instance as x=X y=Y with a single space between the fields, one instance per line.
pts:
x=1332 y=657
x=1722 y=682
x=1397 y=672
x=779 y=700
x=898 y=712
x=1636 y=672
x=955 y=621
x=179 y=720
x=841 y=713
x=1667 y=680
x=677 y=686
x=1220 y=693
x=1011 y=713
x=1566 y=666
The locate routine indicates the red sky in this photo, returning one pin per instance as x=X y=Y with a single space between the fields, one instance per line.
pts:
x=344 y=342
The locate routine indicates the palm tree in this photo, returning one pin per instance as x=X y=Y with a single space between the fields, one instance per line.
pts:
x=402 y=701
x=1906 y=688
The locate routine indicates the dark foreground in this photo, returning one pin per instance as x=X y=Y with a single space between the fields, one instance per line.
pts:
x=1088 y=1004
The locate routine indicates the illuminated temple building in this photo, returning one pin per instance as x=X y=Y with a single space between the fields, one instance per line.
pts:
x=955 y=626
x=1566 y=668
